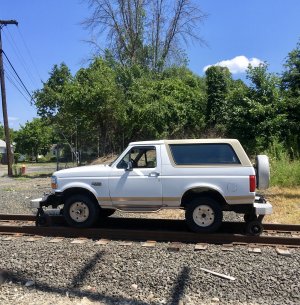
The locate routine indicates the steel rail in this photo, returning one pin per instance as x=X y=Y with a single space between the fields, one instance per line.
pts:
x=153 y=229
x=157 y=235
x=165 y=223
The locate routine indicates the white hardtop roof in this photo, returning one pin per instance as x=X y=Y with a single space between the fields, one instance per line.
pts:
x=186 y=141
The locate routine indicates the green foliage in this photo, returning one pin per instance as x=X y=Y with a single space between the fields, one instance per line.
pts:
x=34 y=138
x=11 y=132
x=291 y=75
x=218 y=80
x=257 y=113
x=285 y=173
x=106 y=105
x=290 y=83
x=2 y=136
x=49 y=99
x=169 y=107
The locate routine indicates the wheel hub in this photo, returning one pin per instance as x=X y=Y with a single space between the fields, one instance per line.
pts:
x=204 y=215
x=79 y=211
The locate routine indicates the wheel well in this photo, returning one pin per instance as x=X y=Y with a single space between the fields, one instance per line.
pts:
x=76 y=191
x=189 y=195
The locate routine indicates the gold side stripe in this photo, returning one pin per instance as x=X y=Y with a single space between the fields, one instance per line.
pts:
x=165 y=199
x=153 y=199
x=239 y=198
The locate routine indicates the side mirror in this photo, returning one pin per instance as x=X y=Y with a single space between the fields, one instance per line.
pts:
x=129 y=166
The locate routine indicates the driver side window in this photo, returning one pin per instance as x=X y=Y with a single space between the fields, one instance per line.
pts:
x=140 y=157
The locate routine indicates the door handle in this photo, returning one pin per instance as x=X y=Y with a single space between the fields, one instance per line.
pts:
x=153 y=174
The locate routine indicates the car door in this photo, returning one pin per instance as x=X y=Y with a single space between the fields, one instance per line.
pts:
x=135 y=180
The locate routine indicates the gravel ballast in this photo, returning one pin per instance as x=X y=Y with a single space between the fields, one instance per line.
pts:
x=63 y=273
x=117 y=274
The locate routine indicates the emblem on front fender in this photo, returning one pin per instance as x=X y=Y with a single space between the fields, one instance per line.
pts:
x=96 y=183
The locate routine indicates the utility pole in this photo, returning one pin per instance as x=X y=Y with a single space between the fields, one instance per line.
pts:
x=4 y=106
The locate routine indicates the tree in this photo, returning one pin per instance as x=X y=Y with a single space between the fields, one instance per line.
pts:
x=12 y=133
x=218 y=80
x=257 y=113
x=291 y=89
x=86 y=109
x=49 y=99
x=149 y=33
x=171 y=106
x=34 y=138
x=291 y=75
x=95 y=100
x=2 y=135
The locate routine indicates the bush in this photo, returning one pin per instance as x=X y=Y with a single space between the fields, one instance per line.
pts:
x=285 y=172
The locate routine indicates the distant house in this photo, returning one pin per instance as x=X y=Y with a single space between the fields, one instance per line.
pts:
x=2 y=147
x=3 y=152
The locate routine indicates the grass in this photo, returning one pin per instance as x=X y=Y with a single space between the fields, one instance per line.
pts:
x=8 y=189
x=285 y=173
x=34 y=175
x=41 y=164
x=286 y=205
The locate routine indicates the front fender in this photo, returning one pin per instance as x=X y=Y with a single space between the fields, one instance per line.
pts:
x=77 y=185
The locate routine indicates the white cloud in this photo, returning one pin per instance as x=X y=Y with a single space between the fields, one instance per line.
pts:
x=238 y=64
x=13 y=118
x=12 y=121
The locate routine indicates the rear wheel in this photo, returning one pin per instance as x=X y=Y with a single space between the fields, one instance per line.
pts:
x=254 y=227
x=204 y=215
x=80 y=211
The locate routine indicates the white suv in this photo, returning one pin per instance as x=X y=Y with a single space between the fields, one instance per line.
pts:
x=204 y=177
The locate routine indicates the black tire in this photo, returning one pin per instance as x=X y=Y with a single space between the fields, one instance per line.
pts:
x=104 y=213
x=254 y=228
x=208 y=223
x=87 y=211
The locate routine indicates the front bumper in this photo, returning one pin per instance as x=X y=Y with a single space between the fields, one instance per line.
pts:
x=53 y=199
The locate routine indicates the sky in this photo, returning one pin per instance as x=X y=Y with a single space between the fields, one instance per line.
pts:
x=50 y=32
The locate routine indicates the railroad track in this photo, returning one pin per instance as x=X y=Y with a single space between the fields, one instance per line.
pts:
x=153 y=229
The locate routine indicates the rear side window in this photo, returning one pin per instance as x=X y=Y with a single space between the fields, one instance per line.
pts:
x=202 y=154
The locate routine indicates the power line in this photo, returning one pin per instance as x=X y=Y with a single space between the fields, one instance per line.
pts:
x=12 y=74
x=20 y=57
x=29 y=53
x=15 y=82
x=17 y=75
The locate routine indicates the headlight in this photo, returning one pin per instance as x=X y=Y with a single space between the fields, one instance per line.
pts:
x=54 y=182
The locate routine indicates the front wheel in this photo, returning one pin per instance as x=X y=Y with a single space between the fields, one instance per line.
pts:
x=204 y=215
x=80 y=211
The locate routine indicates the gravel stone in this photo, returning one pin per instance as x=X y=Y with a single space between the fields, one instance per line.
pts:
x=83 y=274
x=29 y=283
x=105 y=274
